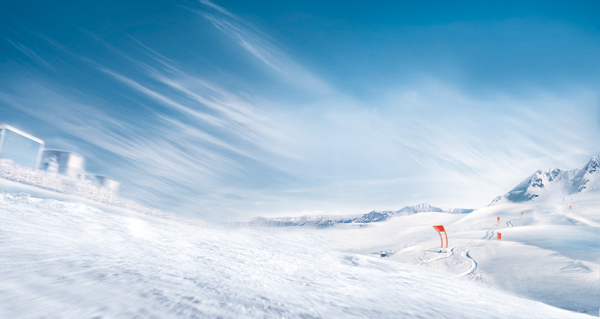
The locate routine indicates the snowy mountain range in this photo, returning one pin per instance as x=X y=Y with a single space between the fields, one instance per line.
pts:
x=555 y=181
x=372 y=217
x=540 y=184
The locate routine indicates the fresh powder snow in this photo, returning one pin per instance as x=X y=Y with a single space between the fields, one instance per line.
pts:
x=66 y=260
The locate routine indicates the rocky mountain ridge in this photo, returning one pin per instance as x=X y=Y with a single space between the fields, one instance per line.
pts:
x=555 y=181
x=371 y=217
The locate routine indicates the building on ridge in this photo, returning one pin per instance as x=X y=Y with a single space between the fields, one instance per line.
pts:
x=63 y=163
x=104 y=182
x=20 y=147
x=28 y=151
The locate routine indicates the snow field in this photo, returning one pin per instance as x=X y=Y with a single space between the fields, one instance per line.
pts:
x=64 y=260
x=551 y=254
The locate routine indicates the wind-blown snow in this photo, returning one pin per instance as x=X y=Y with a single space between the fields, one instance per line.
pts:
x=65 y=260
x=68 y=186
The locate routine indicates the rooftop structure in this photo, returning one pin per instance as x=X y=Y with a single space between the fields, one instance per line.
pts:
x=20 y=147
x=63 y=162
x=104 y=181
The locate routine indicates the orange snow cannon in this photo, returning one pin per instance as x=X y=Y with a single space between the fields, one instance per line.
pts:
x=441 y=229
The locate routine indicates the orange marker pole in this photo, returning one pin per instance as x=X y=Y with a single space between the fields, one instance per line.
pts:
x=569 y=206
x=498 y=221
x=441 y=229
x=521 y=214
x=446 y=234
x=499 y=236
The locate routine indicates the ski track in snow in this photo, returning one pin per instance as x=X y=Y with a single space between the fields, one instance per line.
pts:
x=489 y=233
x=445 y=256
x=473 y=265
x=471 y=269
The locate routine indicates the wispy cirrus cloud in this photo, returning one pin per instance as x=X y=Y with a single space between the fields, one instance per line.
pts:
x=258 y=46
x=195 y=138
x=218 y=8
x=161 y=157
x=165 y=100
x=198 y=97
x=27 y=51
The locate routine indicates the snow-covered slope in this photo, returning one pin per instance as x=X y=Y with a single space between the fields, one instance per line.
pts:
x=550 y=239
x=64 y=260
x=67 y=260
x=551 y=254
x=555 y=182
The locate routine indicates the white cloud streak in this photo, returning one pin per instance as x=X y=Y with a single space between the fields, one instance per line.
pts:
x=266 y=52
x=218 y=8
x=28 y=52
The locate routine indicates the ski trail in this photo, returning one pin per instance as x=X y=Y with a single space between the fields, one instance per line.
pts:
x=472 y=268
x=509 y=224
x=445 y=256
x=490 y=233
x=486 y=234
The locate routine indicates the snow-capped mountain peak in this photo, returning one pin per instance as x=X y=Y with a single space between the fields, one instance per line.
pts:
x=593 y=165
x=540 y=182
x=556 y=180
x=587 y=177
x=421 y=208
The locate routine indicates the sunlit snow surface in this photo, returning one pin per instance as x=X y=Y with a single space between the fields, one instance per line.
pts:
x=551 y=254
x=64 y=260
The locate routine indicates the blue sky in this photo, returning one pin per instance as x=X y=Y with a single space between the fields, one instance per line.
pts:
x=227 y=110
